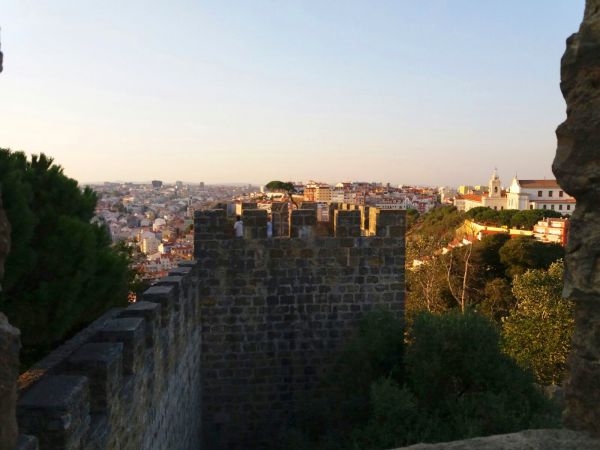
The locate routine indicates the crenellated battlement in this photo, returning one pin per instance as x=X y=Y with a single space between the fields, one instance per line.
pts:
x=129 y=380
x=345 y=220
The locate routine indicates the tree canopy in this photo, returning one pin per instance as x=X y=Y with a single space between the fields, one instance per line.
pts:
x=282 y=186
x=439 y=223
x=524 y=253
x=537 y=333
x=511 y=218
x=61 y=272
x=452 y=381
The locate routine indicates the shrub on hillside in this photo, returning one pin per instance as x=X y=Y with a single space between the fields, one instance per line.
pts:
x=455 y=384
x=375 y=352
x=458 y=384
x=439 y=223
x=524 y=253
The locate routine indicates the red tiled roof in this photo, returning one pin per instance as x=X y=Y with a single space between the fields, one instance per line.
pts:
x=472 y=197
x=538 y=184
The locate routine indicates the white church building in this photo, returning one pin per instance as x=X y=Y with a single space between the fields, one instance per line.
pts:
x=522 y=194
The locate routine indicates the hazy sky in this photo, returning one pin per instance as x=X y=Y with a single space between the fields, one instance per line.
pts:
x=406 y=91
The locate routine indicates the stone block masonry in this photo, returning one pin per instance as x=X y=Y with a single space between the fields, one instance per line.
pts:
x=275 y=311
x=347 y=223
x=281 y=219
x=131 y=380
x=255 y=223
x=303 y=223
x=218 y=354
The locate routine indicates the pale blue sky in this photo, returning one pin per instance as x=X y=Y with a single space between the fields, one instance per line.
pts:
x=419 y=91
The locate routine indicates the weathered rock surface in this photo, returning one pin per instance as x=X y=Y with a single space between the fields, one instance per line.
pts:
x=524 y=440
x=10 y=343
x=9 y=371
x=4 y=238
x=577 y=168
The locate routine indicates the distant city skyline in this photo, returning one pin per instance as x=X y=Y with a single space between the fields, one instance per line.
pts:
x=505 y=182
x=435 y=92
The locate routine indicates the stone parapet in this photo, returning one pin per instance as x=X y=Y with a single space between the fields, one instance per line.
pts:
x=386 y=223
x=210 y=224
x=129 y=380
x=303 y=223
x=274 y=312
x=255 y=223
x=346 y=223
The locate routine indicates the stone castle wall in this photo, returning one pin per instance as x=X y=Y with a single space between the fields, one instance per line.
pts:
x=131 y=380
x=219 y=353
x=275 y=310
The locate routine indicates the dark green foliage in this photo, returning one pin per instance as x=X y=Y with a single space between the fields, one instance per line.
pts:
x=524 y=253
x=280 y=186
x=439 y=223
x=528 y=218
x=375 y=352
x=486 y=255
x=283 y=186
x=537 y=333
x=509 y=217
x=411 y=217
x=455 y=383
x=489 y=216
x=498 y=299
x=458 y=385
x=436 y=285
x=61 y=272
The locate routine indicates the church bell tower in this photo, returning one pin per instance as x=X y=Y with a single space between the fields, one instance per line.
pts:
x=495 y=187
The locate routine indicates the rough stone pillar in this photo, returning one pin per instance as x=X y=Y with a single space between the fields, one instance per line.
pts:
x=577 y=168
x=209 y=225
x=255 y=223
x=4 y=238
x=10 y=344
x=346 y=223
x=281 y=219
x=387 y=223
x=303 y=223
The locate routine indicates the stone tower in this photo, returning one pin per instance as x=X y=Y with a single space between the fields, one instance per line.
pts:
x=495 y=187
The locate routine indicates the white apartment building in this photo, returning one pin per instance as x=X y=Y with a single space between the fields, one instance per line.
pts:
x=323 y=193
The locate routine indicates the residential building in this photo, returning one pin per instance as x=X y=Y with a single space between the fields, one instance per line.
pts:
x=552 y=230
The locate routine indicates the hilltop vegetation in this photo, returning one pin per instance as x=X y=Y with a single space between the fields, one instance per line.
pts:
x=484 y=322
x=439 y=223
x=510 y=218
x=510 y=281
